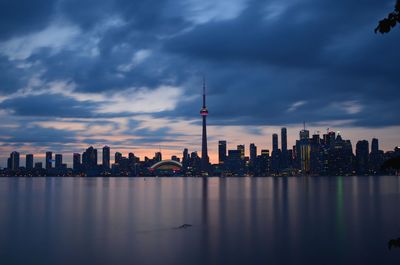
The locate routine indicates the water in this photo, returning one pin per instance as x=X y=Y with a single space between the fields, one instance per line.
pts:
x=322 y=220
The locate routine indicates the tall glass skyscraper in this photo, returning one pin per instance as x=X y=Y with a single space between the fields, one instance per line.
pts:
x=221 y=152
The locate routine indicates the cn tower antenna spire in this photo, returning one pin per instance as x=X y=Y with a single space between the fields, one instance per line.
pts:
x=204 y=91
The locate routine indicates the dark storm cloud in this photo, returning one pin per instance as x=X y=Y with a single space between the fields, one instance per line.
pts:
x=36 y=135
x=312 y=60
x=321 y=52
x=48 y=106
x=23 y=16
x=294 y=39
x=11 y=77
x=151 y=16
x=100 y=73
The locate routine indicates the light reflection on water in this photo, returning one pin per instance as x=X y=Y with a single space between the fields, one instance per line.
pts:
x=337 y=220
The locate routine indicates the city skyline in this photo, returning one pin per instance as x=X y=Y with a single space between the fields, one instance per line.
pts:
x=69 y=81
x=68 y=156
x=247 y=150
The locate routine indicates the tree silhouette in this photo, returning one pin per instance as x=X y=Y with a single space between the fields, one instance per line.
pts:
x=386 y=24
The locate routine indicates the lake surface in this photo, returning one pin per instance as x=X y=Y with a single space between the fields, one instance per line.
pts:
x=296 y=220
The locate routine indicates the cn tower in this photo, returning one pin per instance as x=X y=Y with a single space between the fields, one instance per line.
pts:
x=204 y=152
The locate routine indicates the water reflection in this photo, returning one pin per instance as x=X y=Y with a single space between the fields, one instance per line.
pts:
x=339 y=207
x=235 y=220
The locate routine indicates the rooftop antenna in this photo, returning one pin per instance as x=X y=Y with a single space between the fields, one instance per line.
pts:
x=304 y=125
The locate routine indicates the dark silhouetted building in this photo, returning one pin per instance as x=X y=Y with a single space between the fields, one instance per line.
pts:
x=362 y=152
x=234 y=162
x=13 y=162
x=221 y=152
x=158 y=156
x=284 y=151
x=185 y=159
x=374 y=146
x=275 y=142
x=89 y=159
x=58 y=161
x=315 y=154
x=253 y=152
x=284 y=139
x=76 y=162
x=241 y=149
x=263 y=164
x=304 y=151
x=106 y=158
x=117 y=157
x=49 y=160
x=376 y=158
x=275 y=155
x=38 y=165
x=29 y=161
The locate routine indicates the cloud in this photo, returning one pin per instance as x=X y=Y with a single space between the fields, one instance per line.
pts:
x=137 y=58
x=48 y=106
x=37 y=135
x=201 y=12
x=142 y=100
x=296 y=105
x=54 y=37
x=12 y=77
x=19 y=17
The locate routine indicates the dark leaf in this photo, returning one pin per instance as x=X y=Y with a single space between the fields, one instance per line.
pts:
x=397 y=7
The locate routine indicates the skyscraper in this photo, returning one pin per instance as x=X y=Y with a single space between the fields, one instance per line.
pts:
x=106 y=158
x=304 y=134
x=29 y=161
x=253 y=152
x=76 y=161
x=185 y=158
x=284 y=154
x=221 y=152
x=89 y=158
x=304 y=150
x=275 y=154
x=49 y=159
x=362 y=152
x=58 y=161
x=204 y=151
x=374 y=146
x=158 y=156
x=14 y=161
x=376 y=157
x=284 y=140
x=241 y=149
x=234 y=163
x=275 y=142
x=117 y=157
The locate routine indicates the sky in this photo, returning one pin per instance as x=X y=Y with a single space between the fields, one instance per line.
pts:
x=128 y=73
